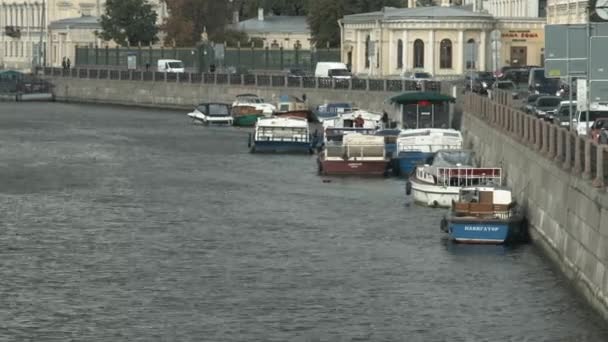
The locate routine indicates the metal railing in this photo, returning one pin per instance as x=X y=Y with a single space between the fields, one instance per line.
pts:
x=578 y=154
x=255 y=80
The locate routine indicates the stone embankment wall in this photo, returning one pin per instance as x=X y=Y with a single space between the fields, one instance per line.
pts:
x=559 y=178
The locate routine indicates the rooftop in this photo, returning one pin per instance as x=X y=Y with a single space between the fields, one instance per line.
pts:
x=274 y=24
x=433 y=12
x=78 y=22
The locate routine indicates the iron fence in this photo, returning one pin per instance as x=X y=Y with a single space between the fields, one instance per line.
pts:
x=265 y=80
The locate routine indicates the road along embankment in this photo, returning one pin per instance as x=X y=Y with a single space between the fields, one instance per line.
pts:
x=560 y=179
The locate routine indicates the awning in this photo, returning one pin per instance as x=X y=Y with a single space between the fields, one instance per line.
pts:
x=415 y=97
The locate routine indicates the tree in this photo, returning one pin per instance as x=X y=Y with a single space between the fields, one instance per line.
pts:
x=129 y=22
x=188 y=19
x=323 y=16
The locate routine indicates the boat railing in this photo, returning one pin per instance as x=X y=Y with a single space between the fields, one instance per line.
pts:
x=283 y=134
x=355 y=152
x=468 y=176
x=427 y=147
x=483 y=210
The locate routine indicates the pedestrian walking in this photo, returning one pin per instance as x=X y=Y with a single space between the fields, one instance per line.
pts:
x=68 y=63
x=64 y=63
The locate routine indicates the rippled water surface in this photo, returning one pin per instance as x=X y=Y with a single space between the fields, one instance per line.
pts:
x=134 y=225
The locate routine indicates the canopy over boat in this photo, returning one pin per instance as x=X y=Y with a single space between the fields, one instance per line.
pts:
x=415 y=97
x=452 y=158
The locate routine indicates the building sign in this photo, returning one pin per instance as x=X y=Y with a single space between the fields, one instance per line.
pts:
x=521 y=36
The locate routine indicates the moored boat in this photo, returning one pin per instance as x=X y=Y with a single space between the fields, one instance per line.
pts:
x=288 y=103
x=304 y=114
x=358 y=154
x=416 y=146
x=246 y=116
x=438 y=184
x=282 y=135
x=212 y=113
x=486 y=215
x=255 y=101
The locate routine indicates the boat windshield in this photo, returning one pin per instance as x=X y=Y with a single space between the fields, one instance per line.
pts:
x=453 y=158
x=218 y=110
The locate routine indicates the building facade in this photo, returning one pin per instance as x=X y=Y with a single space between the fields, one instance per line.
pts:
x=442 y=40
x=567 y=11
x=26 y=39
x=287 y=32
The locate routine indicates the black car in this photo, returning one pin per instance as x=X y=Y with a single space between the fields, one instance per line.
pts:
x=546 y=106
x=479 y=82
x=530 y=103
x=296 y=73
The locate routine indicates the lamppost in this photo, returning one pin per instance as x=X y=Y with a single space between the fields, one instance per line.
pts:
x=41 y=59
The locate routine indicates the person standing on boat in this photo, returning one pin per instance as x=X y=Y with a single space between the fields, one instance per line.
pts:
x=384 y=119
x=359 y=122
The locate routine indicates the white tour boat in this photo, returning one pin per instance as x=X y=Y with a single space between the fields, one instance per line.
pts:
x=415 y=146
x=439 y=183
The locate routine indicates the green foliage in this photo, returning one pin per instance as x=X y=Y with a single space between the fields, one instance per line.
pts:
x=129 y=22
x=323 y=16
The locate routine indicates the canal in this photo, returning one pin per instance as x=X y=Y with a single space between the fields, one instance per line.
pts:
x=135 y=225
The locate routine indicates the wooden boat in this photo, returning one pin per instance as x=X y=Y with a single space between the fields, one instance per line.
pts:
x=246 y=116
x=485 y=215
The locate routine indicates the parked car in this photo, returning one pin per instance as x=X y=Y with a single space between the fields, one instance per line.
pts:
x=478 y=82
x=580 y=120
x=562 y=113
x=530 y=102
x=546 y=106
x=538 y=83
x=599 y=130
x=296 y=73
x=419 y=76
x=507 y=86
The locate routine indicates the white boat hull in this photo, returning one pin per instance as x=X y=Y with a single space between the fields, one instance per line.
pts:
x=434 y=195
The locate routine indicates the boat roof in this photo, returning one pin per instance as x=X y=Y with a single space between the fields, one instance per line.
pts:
x=430 y=131
x=289 y=98
x=388 y=132
x=212 y=103
x=247 y=95
x=288 y=121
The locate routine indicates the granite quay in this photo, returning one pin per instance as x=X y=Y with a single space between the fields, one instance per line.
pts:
x=561 y=178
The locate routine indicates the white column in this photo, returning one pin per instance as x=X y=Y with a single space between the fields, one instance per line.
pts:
x=483 y=51
x=407 y=64
x=392 y=65
x=357 y=55
x=460 y=59
x=430 y=65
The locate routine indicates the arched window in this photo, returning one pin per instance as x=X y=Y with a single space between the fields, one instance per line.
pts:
x=297 y=45
x=445 y=54
x=367 y=43
x=400 y=54
x=274 y=44
x=471 y=54
x=418 y=53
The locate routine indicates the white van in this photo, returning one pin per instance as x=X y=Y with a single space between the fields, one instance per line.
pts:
x=333 y=70
x=580 y=120
x=170 y=65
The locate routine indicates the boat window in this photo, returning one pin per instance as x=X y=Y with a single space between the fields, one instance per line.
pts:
x=451 y=134
x=416 y=134
x=202 y=109
x=218 y=109
x=452 y=158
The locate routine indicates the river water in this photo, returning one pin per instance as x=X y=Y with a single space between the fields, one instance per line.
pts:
x=135 y=225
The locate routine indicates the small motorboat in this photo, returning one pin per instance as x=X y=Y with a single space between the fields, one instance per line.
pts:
x=253 y=100
x=246 y=116
x=486 y=215
x=212 y=113
x=288 y=103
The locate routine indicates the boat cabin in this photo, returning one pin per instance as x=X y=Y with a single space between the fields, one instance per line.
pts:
x=336 y=135
x=429 y=140
x=282 y=129
x=248 y=98
x=483 y=202
x=289 y=103
x=357 y=147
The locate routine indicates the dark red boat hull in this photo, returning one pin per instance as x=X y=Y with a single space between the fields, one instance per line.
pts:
x=355 y=168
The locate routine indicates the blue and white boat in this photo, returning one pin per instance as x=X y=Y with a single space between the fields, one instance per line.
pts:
x=282 y=135
x=418 y=146
x=485 y=215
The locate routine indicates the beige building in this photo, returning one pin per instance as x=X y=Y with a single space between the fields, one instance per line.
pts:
x=567 y=11
x=277 y=31
x=442 y=40
x=59 y=24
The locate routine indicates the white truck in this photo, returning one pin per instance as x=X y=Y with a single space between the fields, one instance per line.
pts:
x=170 y=65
